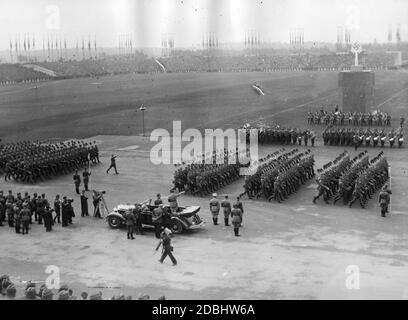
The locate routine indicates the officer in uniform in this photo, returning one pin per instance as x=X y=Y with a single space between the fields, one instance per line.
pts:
x=48 y=218
x=130 y=224
x=113 y=164
x=85 y=175
x=384 y=200
x=172 y=199
x=158 y=201
x=236 y=214
x=215 y=208
x=157 y=219
x=138 y=216
x=226 y=206
x=84 y=204
x=77 y=181
x=165 y=241
x=25 y=218
x=57 y=209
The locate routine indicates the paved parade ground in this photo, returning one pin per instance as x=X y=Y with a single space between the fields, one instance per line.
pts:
x=290 y=250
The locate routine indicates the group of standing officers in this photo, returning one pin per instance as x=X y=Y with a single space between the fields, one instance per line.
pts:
x=283 y=136
x=30 y=161
x=21 y=211
x=235 y=211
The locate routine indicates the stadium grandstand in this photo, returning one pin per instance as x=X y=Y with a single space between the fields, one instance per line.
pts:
x=15 y=73
x=193 y=61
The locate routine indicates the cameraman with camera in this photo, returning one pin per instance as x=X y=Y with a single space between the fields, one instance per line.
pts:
x=99 y=203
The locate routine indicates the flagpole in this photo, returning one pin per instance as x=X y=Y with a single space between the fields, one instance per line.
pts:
x=389 y=169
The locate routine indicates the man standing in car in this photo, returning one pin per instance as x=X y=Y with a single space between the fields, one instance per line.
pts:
x=158 y=201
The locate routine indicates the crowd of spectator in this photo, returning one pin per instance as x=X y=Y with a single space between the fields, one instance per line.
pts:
x=112 y=65
x=15 y=73
x=191 y=61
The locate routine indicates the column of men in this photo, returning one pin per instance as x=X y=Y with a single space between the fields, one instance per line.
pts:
x=376 y=119
x=21 y=211
x=370 y=180
x=284 y=136
x=280 y=175
x=207 y=176
x=359 y=137
x=352 y=180
x=30 y=162
x=329 y=176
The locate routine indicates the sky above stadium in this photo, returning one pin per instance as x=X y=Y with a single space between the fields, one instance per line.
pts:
x=187 y=20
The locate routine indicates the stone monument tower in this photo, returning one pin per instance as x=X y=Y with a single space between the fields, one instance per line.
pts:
x=356 y=87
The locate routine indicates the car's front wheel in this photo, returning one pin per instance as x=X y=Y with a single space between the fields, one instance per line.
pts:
x=176 y=226
x=114 y=222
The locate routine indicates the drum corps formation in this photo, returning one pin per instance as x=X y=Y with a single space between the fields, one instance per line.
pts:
x=30 y=162
x=359 y=137
x=359 y=119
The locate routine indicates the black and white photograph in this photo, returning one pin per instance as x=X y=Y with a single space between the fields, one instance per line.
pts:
x=203 y=150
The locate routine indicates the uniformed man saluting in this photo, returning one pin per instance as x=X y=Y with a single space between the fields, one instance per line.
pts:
x=172 y=199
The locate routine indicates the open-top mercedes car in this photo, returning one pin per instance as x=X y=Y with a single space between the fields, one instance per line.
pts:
x=186 y=218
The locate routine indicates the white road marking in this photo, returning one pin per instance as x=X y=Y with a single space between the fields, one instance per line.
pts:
x=392 y=97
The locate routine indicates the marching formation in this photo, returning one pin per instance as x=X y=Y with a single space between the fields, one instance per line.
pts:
x=352 y=180
x=359 y=137
x=338 y=118
x=29 y=161
x=280 y=174
x=370 y=180
x=329 y=176
x=209 y=174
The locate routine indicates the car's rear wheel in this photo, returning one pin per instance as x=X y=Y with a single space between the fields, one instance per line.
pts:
x=176 y=226
x=114 y=222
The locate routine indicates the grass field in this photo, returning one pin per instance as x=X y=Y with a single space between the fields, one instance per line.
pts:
x=109 y=105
